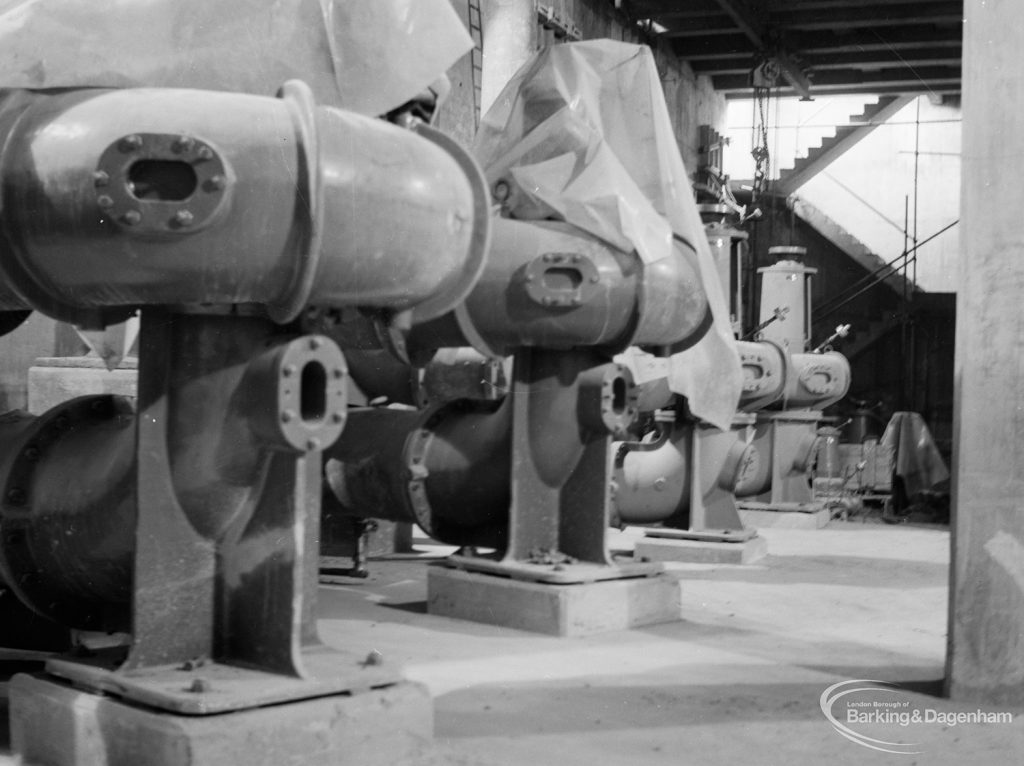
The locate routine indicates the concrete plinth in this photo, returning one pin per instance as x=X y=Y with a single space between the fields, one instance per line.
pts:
x=702 y=551
x=54 y=380
x=561 y=610
x=56 y=725
x=815 y=518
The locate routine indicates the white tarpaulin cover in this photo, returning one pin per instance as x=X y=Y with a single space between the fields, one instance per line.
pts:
x=916 y=459
x=365 y=55
x=584 y=133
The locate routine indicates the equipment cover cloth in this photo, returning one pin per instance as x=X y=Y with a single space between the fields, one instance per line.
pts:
x=368 y=56
x=584 y=133
x=916 y=459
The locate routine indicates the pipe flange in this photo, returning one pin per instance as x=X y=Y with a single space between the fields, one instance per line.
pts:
x=298 y=97
x=609 y=400
x=161 y=183
x=417 y=445
x=818 y=379
x=561 y=280
x=307 y=380
x=16 y=509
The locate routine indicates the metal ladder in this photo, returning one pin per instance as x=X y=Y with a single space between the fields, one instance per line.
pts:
x=476 y=59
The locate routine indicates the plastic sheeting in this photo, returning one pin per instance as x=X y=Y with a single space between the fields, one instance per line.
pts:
x=584 y=133
x=916 y=459
x=365 y=55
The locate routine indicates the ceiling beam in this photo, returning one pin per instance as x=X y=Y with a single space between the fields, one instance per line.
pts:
x=752 y=24
x=862 y=17
x=915 y=78
x=868 y=60
x=931 y=88
x=740 y=63
x=710 y=48
x=945 y=88
x=696 y=26
x=898 y=38
x=661 y=8
x=816 y=5
x=749 y=22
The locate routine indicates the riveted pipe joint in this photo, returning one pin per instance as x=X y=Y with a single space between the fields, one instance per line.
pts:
x=445 y=468
x=738 y=468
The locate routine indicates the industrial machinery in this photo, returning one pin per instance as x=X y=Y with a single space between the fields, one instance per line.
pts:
x=689 y=478
x=526 y=474
x=681 y=478
x=573 y=277
x=786 y=436
x=189 y=519
x=728 y=243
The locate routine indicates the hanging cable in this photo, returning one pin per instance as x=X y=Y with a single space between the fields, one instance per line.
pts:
x=892 y=267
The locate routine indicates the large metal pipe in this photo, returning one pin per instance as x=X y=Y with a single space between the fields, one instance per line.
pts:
x=238 y=389
x=452 y=468
x=67 y=520
x=459 y=453
x=183 y=197
x=550 y=285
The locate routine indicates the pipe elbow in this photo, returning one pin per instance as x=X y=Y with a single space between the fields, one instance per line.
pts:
x=106 y=208
x=674 y=309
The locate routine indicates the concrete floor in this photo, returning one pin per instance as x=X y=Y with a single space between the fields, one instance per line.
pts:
x=736 y=680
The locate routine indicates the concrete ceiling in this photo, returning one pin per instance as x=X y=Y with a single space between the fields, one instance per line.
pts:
x=823 y=47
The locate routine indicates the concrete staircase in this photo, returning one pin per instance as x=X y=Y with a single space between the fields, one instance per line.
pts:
x=850 y=245
x=846 y=136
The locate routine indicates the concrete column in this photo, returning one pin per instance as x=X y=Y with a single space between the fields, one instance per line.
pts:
x=510 y=38
x=986 y=632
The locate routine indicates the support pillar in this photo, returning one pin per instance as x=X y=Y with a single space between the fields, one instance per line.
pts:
x=985 y=660
x=510 y=38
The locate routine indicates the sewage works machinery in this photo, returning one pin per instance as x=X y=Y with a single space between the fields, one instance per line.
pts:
x=266 y=243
